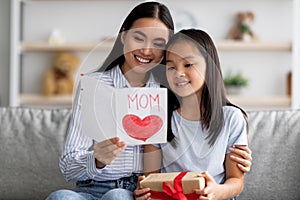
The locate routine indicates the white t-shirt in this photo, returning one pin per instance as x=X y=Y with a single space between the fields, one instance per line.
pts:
x=190 y=151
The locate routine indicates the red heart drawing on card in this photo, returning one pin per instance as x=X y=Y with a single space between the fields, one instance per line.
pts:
x=141 y=129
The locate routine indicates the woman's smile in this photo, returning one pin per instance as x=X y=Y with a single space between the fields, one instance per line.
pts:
x=142 y=60
x=144 y=45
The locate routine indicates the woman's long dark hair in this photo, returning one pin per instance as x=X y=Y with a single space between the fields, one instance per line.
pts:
x=143 y=10
x=213 y=96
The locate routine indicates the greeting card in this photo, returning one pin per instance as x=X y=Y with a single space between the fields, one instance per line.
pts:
x=136 y=115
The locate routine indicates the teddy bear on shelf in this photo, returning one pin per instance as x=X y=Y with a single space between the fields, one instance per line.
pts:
x=59 y=79
x=242 y=30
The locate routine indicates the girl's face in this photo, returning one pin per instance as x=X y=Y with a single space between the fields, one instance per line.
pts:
x=186 y=68
x=144 y=43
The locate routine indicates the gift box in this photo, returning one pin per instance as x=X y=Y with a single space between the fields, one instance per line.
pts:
x=174 y=185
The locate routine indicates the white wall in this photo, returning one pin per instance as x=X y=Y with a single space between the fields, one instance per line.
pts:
x=78 y=21
x=92 y=20
x=4 y=49
x=273 y=22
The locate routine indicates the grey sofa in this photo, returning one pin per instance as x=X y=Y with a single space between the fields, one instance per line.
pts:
x=31 y=141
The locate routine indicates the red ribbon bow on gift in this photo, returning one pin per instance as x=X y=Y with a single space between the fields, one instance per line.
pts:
x=174 y=193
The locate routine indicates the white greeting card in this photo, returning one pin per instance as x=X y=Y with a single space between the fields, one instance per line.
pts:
x=135 y=115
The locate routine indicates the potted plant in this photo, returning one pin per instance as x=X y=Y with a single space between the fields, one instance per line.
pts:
x=235 y=82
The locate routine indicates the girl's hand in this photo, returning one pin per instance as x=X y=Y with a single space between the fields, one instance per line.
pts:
x=141 y=193
x=107 y=151
x=243 y=158
x=210 y=192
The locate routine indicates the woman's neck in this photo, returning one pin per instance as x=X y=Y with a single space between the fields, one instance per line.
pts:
x=135 y=79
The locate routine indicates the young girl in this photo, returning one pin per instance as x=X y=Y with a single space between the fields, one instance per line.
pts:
x=204 y=125
x=109 y=169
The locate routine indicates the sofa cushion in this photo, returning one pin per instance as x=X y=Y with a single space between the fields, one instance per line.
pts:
x=274 y=138
x=31 y=141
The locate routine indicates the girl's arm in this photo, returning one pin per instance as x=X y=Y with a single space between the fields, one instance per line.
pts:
x=152 y=159
x=233 y=185
x=243 y=158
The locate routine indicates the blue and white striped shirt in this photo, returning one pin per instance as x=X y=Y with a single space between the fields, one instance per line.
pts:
x=78 y=162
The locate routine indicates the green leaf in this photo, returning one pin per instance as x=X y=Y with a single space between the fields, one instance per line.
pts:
x=235 y=80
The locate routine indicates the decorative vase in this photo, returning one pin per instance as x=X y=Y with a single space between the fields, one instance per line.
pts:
x=233 y=90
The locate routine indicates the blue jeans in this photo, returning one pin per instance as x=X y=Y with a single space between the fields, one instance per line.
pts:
x=96 y=190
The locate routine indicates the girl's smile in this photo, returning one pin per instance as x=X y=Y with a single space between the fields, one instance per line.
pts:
x=182 y=83
x=186 y=68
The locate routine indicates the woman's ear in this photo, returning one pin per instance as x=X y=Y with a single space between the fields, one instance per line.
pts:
x=123 y=35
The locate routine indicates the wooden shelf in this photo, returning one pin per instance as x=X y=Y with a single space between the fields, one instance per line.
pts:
x=230 y=45
x=45 y=101
x=44 y=47
x=68 y=0
x=105 y=45
x=261 y=102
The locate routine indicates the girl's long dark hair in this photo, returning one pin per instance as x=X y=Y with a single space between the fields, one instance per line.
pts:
x=143 y=10
x=213 y=96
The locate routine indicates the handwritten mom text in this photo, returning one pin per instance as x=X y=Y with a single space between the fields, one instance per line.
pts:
x=144 y=101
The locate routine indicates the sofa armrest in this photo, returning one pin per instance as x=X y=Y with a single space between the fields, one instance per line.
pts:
x=31 y=141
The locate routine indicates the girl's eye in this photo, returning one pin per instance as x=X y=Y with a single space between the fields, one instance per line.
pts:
x=170 y=68
x=188 y=65
x=160 y=45
x=138 y=39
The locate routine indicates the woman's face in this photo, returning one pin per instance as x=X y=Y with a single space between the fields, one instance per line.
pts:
x=186 y=68
x=144 y=43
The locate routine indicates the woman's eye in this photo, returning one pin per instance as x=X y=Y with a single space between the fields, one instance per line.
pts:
x=138 y=39
x=188 y=65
